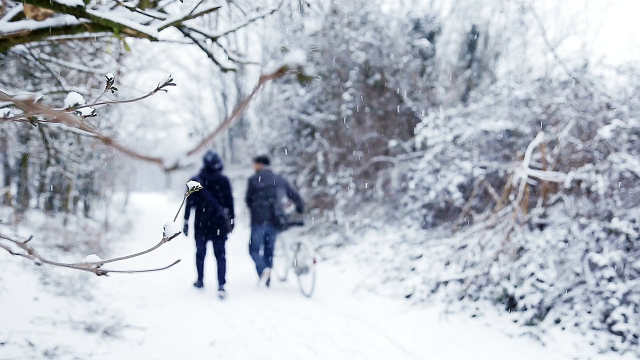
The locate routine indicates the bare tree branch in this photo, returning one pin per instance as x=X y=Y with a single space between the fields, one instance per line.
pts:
x=590 y=87
x=250 y=21
x=29 y=252
x=206 y=50
x=35 y=112
x=190 y=15
x=239 y=109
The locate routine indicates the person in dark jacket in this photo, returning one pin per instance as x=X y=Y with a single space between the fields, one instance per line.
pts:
x=214 y=216
x=264 y=199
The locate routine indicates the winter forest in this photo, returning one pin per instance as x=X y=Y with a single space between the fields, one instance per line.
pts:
x=465 y=177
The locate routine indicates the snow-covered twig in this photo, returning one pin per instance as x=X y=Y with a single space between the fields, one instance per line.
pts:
x=95 y=266
x=192 y=186
x=70 y=18
x=160 y=87
x=36 y=112
x=29 y=252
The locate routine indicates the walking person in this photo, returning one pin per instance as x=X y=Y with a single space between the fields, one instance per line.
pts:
x=214 y=217
x=264 y=199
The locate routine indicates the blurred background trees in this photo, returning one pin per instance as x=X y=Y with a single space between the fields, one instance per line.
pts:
x=499 y=140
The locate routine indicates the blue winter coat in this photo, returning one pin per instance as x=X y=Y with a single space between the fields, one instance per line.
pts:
x=265 y=191
x=213 y=205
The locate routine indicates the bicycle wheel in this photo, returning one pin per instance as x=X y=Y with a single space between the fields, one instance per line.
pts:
x=281 y=260
x=304 y=265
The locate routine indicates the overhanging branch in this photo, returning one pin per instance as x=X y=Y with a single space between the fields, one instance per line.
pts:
x=77 y=19
x=25 y=250
x=36 y=112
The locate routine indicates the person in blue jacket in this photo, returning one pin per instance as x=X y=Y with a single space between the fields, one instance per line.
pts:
x=214 y=217
x=265 y=191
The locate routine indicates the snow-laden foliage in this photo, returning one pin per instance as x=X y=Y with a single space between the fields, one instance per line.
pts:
x=526 y=182
x=559 y=252
x=47 y=166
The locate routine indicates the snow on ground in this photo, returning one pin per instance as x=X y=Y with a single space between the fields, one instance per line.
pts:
x=161 y=316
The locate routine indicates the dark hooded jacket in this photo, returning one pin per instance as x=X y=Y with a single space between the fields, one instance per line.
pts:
x=265 y=191
x=213 y=204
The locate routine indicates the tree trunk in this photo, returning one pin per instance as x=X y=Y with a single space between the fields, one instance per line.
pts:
x=23 y=183
x=7 y=171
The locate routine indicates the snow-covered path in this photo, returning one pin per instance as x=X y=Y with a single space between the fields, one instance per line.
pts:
x=161 y=316
x=171 y=319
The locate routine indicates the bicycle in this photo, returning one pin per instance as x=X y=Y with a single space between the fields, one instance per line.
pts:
x=297 y=256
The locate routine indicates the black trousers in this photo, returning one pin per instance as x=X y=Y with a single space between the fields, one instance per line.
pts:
x=218 y=252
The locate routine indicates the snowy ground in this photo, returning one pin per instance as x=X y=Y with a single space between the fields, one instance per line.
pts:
x=161 y=316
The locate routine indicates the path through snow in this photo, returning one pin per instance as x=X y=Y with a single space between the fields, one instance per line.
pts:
x=166 y=318
x=178 y=321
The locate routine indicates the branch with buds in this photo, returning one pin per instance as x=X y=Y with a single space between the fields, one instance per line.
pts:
x=22 y=248
x=34 y=112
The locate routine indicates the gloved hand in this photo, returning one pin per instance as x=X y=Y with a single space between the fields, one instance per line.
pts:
x=232 y=225
x=185 y=230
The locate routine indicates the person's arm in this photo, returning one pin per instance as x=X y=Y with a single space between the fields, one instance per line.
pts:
x=227 y=194
x=293 y=195
x=228 y=198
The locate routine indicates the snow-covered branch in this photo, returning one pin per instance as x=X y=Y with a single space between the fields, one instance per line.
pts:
x=545 y=175
x=74 y=17
x=29 y=252
x=93 y=264
x=35 y=112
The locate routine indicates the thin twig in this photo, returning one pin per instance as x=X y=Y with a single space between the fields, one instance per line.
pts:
x=67 y=118
x=95 y=267
x=159 y=87
x=184 y=199
x=589 y=87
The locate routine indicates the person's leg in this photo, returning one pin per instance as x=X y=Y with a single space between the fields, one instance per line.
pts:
x=221 y=260
x=269 y=244
x=201 y=252
x=257 y=234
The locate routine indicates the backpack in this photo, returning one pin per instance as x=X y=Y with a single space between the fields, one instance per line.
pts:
x=215 y=204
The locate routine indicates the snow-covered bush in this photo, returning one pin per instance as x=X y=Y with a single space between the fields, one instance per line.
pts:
x=558 y=246
x=347 y=135
x=528 y=188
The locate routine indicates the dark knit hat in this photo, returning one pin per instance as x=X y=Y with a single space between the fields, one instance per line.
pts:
x=212 y=161
x=262 y=159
